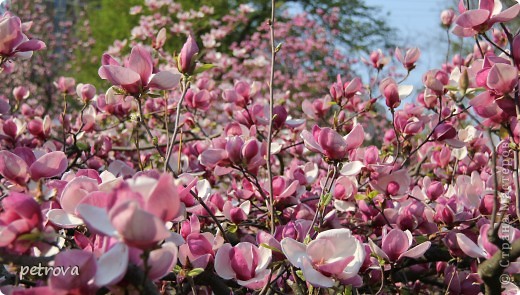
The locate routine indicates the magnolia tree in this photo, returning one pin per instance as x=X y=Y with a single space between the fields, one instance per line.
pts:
x=203 y=172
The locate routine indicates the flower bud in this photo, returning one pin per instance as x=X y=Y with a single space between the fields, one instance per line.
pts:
x=158 y=42
x=20 y=93
x=86 y=92
x=186 y=59
x=447 y=17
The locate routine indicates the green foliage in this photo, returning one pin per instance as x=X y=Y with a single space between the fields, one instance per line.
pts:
x=109 y=20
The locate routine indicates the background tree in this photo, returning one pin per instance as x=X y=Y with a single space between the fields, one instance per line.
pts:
x=357 y=28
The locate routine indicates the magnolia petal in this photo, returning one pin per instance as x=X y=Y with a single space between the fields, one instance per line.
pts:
x=96 y=219
x=162 y=260
x=378 y=251
x=49 y=165
x=264 y=258
x=314 y=277
x=13 y=167
x=473 y=18
x=355 y=138
x=344 y=206
x=112 y=265
x=404 y=90
x=469 y=247
x=294 y=251
x=83 y=260
x=258 y=282
x=164 y=201
x=222 y=263
x=31 y=45
x=140 y=61
x=164 y=80
x=63 y=219
x=310 y=142
x=120 y=76
x=417 y=251
x=352 y=168
x=505 y=15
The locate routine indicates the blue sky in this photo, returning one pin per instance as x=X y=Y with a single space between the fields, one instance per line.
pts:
x=418 y=24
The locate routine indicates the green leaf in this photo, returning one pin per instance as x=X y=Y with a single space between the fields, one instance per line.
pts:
x=451 y=87
x=373 y=194
x=195 y=272
x=177 y=269
x=348 y=290
x=299 y=273
x=232 y=228
x=360 y=197
x=29 y=237
x=278 y=47
x=154 y=95
x=325 y=199
x=203 y=67
x=270 y=247
x=82 y=146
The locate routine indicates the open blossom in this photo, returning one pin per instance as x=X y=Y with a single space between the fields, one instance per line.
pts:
x=335 y=255
x=472 y=22
x=410 y=57
x=330 y=143
x=396 y=245
x=200 y=248
x=137 y=75
x=20 y=168
x=21 y=215
x=13 y=42
x=244 y=262
x=135 y=212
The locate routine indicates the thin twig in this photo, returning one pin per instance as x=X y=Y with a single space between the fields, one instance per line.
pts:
x=271 y=113
x=185 y=86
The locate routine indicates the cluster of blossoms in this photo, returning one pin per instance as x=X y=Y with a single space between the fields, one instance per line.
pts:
x=161 y=183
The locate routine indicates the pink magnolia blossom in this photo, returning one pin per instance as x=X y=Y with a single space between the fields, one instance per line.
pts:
x=20 y=93
x=395 y=184
x=160 y=39
x=378 y=60
x=136 y=213
x=236 y=214
x=516 y=50
x=396 y=245
x=65 y=85
x=13 y=42
x=335 y=255
x=245 y=263
x=81 y=268
x=200 y=248
x=447 y=17
x=242 y=94
x=475 y=21
x=330 y=143
x=501 y=78
x=21 y=215
x=486 y=249
x=86 y=91
x=17 y=170
x=137 y=76
x=409 y=59
x=198 y=100
x=186 y=58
